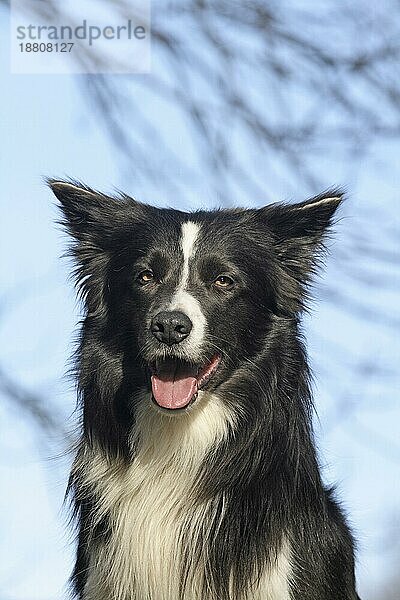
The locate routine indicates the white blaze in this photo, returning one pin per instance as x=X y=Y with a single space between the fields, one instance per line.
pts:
x=190 y=232
x=181 y=299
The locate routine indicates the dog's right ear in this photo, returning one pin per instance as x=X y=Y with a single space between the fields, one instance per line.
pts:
x=90 y=216
x=95 y=221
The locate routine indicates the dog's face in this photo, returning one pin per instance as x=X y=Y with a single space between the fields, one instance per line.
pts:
x=189 y=297
x=195 y=293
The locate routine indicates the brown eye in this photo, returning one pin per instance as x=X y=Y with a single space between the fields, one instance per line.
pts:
x=145 y=277
x=224 y=282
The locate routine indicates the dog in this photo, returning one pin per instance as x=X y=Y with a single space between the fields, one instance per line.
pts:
x=196 y=475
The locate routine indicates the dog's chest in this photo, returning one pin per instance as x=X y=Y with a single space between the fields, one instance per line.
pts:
x=155 y=527
x=149 y=515
x=142 y=559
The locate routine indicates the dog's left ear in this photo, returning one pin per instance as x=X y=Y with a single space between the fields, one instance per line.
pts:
x=298 y=234
x=302 y=225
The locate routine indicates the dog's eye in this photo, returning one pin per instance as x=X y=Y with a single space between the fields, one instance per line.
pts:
x=145 y=277
x=224 y=282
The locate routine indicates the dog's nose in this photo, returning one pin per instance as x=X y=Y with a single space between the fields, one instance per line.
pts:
x=171 y=327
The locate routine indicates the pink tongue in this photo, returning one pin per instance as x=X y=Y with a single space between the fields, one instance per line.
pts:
x=173 y=389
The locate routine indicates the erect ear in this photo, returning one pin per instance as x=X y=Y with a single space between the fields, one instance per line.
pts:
x=94 y=220
x=304 y=223
x=298 y=235
x=88 y=215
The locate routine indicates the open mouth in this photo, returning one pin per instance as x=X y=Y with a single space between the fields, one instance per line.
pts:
x=175 y=383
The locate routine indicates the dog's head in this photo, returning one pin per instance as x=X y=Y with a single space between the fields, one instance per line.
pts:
x=187 y=298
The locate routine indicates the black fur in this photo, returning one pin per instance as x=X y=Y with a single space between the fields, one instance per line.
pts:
x=267 y=470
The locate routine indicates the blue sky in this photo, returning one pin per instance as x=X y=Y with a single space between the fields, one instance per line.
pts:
x=47 y=129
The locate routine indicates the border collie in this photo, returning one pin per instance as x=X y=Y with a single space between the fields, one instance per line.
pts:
x=196 y=475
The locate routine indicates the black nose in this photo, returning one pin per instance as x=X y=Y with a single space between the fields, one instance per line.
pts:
x=171 y=327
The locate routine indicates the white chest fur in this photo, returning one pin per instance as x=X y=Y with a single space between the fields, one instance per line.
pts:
x=148 y=506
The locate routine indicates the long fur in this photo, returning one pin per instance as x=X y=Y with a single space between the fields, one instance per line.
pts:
x=224 y=501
